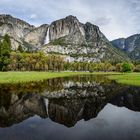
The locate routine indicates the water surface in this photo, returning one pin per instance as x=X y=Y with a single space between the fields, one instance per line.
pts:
x=74 y=108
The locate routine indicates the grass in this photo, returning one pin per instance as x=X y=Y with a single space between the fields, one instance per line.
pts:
x=24 y=77
x=127 y=78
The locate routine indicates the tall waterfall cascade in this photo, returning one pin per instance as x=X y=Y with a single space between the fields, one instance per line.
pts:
x=47 y=39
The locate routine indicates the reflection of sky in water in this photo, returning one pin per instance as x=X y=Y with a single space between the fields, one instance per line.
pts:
x=111 y=123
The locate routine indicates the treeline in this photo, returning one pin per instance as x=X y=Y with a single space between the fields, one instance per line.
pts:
x=104 y=67
x=19 y=60
x=41 y=62
x=35 y=62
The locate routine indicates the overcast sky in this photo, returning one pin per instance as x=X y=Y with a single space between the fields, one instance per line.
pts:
x=116 y=18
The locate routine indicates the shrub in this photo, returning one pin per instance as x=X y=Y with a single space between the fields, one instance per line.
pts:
x=126 y=67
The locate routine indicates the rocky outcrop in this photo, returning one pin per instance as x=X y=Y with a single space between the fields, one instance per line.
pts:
x=130 y=45
x=69 y=28
x=36 y=37
x=15 y=28
x=119 y=43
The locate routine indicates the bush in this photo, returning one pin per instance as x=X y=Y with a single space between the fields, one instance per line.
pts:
x=126 y=67
x=137 y=68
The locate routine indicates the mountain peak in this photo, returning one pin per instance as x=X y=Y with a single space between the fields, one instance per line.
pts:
x=130 y=45
x=5 y=15
x=71 y=17
x=6 y=18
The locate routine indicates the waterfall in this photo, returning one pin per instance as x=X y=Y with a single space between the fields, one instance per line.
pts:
x=47 y=39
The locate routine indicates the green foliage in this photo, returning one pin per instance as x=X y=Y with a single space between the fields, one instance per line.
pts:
x=89 y=66
x=7 y=39
x=127 y=78
x=20 y=49
x=60 y=41
x=24 y=77
x=126 y=67
x=35 y=62
x=137 y=68
x=5 y=49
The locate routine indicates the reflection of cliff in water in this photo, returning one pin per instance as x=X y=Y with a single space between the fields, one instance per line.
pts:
x=75 y=100
x=129 y=98
x=68 y=111
x=16 y=108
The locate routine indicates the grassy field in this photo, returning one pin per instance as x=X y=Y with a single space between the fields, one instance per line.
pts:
x=127 y=78
x=20 y=77
x=23 y=77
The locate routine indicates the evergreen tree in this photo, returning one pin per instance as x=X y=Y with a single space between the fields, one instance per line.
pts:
x=5 y=49
x=20 y=49
x=7 y=39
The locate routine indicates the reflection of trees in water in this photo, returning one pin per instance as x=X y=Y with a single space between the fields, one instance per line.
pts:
x=50 y=84
x=129 y=98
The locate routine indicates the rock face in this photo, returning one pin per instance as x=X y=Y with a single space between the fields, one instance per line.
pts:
x=69 y=28
x=130 y=45
x=37 y=36
x=68 y=37
x=15 y=28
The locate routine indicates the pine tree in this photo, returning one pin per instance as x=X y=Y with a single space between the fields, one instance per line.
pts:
x=5 y=49
x=7 y=39
x=20 y=49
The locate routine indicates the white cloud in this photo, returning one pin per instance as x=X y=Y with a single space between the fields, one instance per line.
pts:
x=33 y=16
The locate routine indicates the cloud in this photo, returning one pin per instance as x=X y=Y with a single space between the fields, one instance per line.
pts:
x=33 y=16
x=119 y=18
x=102 y=21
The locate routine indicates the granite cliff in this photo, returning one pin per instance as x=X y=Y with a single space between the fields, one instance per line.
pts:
x=130 y=45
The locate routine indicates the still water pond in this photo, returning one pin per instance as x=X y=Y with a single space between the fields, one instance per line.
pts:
x=75 y=108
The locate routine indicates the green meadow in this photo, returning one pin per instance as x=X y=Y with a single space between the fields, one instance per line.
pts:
x=25 y=77
x=127 y=78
